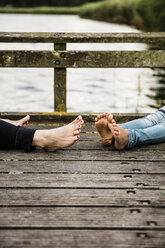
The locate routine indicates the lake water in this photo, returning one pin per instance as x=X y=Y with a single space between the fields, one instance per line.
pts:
x=88 y=90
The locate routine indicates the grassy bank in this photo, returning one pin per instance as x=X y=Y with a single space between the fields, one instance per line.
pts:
x=41 y=10
x=148 y=15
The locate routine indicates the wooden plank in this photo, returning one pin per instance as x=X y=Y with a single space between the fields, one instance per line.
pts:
x=82 y=217
x=83 y=197
x=146 y=37
x=82 y=238
x=60 y=84
x=83 y=59
x=53 y=118
x=84 y=155
x=82 y=180
x=83 y=167
x=91 y=141
x=87 y=127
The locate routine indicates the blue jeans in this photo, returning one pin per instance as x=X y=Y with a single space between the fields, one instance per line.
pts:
x=146 y=130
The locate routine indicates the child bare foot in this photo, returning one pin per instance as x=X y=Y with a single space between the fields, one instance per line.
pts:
x=101 y=124
x=120 y=134
x=21 y=122
x=57 y=138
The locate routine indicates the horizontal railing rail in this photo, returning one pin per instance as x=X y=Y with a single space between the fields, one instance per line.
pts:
x=83 y=59
x=154 y=37
x=60 y=59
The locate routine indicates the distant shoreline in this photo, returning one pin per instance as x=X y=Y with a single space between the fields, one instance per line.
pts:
x=41 y=10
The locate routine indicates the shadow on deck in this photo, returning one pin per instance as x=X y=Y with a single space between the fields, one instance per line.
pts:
x=83 y=196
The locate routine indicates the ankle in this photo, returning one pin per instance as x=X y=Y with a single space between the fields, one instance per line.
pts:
x=39 y=139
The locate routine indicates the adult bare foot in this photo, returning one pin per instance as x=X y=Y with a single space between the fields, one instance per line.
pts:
x=21 y=122
x=57 y=138
x=120 y=134
x=101 y=124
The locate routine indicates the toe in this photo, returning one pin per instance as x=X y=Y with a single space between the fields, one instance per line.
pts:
x=115 y=126
x=99 y=117
x=23 y=121
x=110 y=117
x=76 y=137
x=78 y=126
x=103 y=115
x=116 y=132
x=77 y=131
x=77 y=120
x=26 y=118
x=82 y=122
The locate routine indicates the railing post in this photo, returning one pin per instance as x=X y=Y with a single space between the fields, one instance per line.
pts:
x=59 y=83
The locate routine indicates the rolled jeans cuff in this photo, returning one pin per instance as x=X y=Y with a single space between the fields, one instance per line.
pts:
x=24 y=139
x=131 y=139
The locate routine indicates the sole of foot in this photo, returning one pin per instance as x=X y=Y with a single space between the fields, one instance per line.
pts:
x=101 y=123
x=120 y=135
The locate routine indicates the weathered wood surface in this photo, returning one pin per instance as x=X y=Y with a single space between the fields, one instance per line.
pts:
x=84 y=155
x=60 y=84
x=83 y=59
x=82 y=217
x=82 y=238
x=82 y=167
x=131 y=197
x=87 y=195
x=147 y=37
x=54 y=119
x=82 y=180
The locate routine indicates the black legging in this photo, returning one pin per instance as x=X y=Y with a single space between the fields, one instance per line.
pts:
x=16 y=137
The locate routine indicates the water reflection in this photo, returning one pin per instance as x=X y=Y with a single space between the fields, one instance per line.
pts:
x=158 y=91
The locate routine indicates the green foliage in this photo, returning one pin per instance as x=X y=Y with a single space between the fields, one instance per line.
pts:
x=153 y=13
x=91 y=10
x=144 y=14
x=113 y=11
x=35 y=3
x=41 y=10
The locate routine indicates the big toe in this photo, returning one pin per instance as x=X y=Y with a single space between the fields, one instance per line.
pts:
x=77 y=120
x=104 y=115
x=110 y=117
x=24 y=120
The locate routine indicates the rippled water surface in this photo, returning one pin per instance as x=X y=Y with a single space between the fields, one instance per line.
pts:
x=88 y=90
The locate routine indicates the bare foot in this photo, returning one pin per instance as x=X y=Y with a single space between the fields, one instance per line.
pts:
x=120 y=134
x=101 y=124
x=57 y=138
x=22 y=122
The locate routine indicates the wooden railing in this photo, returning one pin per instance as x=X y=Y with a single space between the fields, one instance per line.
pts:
x=60 y=59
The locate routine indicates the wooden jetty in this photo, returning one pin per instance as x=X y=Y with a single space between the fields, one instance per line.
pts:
x=86 y=195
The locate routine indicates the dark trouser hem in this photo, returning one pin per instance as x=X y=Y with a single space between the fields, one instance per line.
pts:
x=16 y=137
x=24 y=139
x=7 y=135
